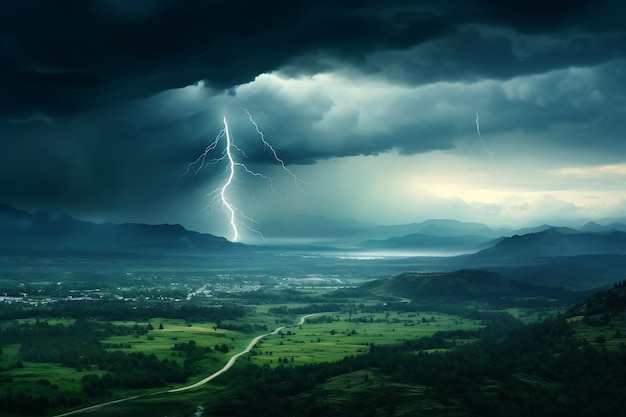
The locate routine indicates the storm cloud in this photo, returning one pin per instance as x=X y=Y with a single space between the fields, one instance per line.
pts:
x=106 y=102
x=68 y=56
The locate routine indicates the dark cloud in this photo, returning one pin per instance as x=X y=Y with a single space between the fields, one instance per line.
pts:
x=66 y=56
x=476 y=53
x=94 y=115
x=546 y=16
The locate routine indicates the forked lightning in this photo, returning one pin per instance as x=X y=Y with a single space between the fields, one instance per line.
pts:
x=221 y=194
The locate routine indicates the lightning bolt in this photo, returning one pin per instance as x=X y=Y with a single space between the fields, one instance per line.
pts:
x=200 y=161
x=480 y=138
x=221 y=194
x=267 y=145
x=229 y=180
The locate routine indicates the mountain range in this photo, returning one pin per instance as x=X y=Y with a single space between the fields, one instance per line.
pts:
x=22 y=230
x=555 y=257
x=311 y=226
x=44 y=231
x=577 y=259
x=555 y=242
x=438 y=234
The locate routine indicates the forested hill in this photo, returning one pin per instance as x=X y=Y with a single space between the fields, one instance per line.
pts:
x=607 y=303
x=541 y=369
x=466 y=284
x=554 y=242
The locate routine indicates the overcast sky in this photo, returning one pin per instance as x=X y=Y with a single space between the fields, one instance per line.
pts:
x=373 y=105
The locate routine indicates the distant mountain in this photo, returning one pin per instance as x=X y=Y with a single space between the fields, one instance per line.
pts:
x=412 y=235
x=44 y=231
x=555 y=242
x=467 y=284
x=594 y=227
x=441 y=235
x=577 y=261
x=355 y=232
x=543 y=228
x=424 y=242
x=612 y=220
x=438 y=228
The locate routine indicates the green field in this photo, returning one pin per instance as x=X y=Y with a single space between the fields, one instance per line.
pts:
x=611 y=336
x=330 y=341
x=320 y=367
x=356 y=389
x=324 y=337
x=160 y=342
x=51 y=380
x=43 y=378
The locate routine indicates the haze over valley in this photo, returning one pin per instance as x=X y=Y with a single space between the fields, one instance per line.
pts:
x=278 y=208
x=153 y=283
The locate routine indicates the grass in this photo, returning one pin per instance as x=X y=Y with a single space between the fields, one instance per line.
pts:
x=309 y=343
x=161 y=342
x=344 y=392
x=602 y=336
x=9 y=356
x=35 y=378
x=46 y=379
x=42 y=379
x=327 y=342
x=529 y=315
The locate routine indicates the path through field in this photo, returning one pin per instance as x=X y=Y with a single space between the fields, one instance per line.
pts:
x=214 y=375
x=232 y=360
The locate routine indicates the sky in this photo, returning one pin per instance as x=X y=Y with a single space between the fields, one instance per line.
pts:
x=395 y=111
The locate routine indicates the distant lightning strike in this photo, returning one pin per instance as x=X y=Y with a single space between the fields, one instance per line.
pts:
x=480 y=138
x=221 y=194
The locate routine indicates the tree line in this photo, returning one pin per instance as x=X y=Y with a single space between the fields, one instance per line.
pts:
x=79 y=346
x=118 y=310
x=514 y=370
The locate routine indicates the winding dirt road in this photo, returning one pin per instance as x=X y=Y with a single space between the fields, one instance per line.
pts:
x=225 y=368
